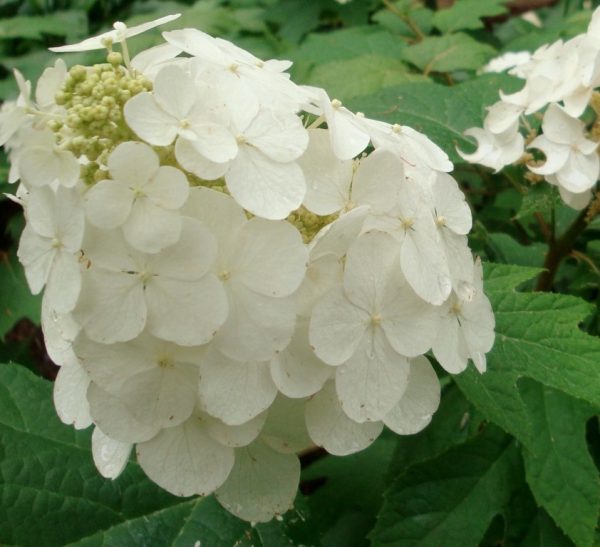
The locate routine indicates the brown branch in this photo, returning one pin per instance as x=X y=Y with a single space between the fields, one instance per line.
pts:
x=559 y=249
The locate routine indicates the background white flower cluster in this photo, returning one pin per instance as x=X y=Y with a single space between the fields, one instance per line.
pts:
x=560 y=78
x=236 y=268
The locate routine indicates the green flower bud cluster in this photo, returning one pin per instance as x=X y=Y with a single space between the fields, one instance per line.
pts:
x=308 y=223
x=93 y=98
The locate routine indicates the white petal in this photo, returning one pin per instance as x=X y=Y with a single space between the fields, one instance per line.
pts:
x=371 y=266
x=193 y=161
x=149 y=60
x=477 y=323
x=64 y=282
x=561 y=128
x=580 y=173
x=219 y=213
x=36 y=254
x=110 y=456
x=69 y=394
x=168 y=188
x=336 y=327
x=111 y=307
x=40 y=166
x=188 y=259
x=113 y=417
x=117 y=35
x=234 y=391
x=330 y=428
x=149 y=121
x=212 y=139
x=109 y=365
x=556 y=155
x=285 y=428
x=184 y=460
x=151 y=228
x=176 y=100
x=297 y=371
x=41 y=212
x=373 y=380
x=576 y=201
x=188 y=313
x=108 y=203
x=257 y=326
x=327 y=177
x=161 y=396
x=133 y=163
x=449 y=347
x=450 y=203
x=501 y=116
x=108 y=250
x=348 y=137
x=269 y=257
x=337 y=236
x=424 y=265
x=420 y=400
x=281 y=137
x=262 y=483
x=234 y=435
x=322 y=274
x=377 y=180
x=410 y=324
x=265 y=188
x=59 y=332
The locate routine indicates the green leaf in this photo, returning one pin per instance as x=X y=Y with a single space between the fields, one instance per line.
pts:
x=558 y=466
x=467 y=14
x=497 y=396
x=541 y=198
x=448 y=53
x=537 y=337
x=506 y=277
x=507 y=250
x=451 y=500
x=421 y=18
x=17 y=301
x=455 y=421
x=361 y=75
x=348 y=491
x=66 y=23
x=544 y=533
x=441 y=112
x=51 y=493
x=295 y=17
x=342 y=45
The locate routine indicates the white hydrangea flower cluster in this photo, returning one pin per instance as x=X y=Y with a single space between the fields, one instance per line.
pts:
x=231 y=277
x=561 y=79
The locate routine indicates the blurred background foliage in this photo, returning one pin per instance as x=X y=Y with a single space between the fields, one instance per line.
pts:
x=413 y=62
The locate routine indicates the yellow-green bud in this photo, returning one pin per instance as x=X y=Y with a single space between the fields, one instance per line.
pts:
x=115 y=58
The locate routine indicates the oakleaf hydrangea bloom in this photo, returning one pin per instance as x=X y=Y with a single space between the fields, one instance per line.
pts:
x=561 y=80
x=239 y=269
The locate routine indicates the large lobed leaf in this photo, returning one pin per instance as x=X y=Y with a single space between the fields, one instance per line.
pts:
x=451 y=500
x=537 y=338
